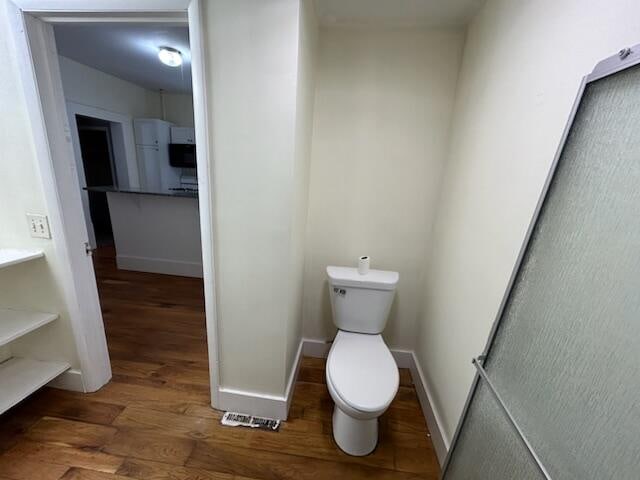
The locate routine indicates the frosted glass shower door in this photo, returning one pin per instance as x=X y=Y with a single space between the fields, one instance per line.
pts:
x=565 y=358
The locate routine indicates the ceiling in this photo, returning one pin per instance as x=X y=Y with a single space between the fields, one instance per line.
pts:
x=129 y=51
x=397 y=13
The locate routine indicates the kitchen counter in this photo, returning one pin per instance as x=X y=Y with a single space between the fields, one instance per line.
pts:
x=155 y=231
x=171 y=192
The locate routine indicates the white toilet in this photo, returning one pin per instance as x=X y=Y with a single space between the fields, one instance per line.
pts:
x=362 y=376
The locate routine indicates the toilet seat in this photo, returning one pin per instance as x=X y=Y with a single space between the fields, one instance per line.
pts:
x=362 y=372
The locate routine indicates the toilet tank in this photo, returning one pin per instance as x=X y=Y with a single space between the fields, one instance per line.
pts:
x=361 y=303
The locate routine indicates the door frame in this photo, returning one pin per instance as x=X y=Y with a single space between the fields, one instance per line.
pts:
x=128 y=155
x=82 y=173
x=112 y=161
x=44 y=98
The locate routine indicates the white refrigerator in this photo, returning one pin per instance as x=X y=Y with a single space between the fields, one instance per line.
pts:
x=152 y=150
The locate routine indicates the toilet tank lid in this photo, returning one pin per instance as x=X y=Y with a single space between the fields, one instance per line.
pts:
x=349 y=277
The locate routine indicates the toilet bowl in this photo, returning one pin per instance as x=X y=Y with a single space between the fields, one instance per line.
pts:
x=362 y=376
x=363 y=380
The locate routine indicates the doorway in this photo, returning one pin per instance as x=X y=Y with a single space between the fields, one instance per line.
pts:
x=99 y=170
x=147 y=257
x=40 y=70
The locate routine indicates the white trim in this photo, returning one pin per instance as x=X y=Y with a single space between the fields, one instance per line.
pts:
x=178 y=19
x=433 y=417
x=5 y=353
x=132 y=175
x=35 y=51
x=252 y=403
x=128 y=139
x=404 y=359
x=69 y=380
x=261 y=404
x=205 y=166
x=102 y=6
x=293 y=376
x=316 y=348
x=159 y=265
x=67 y=228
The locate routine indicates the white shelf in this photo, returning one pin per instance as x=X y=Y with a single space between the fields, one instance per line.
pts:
x=11 y=256
x=20 y=377
x=16 y=323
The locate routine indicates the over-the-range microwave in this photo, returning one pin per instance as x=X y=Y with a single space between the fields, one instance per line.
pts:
x=182 y=155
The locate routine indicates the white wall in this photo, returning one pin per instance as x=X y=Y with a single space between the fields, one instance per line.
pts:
x=522 y=66
x=178 y=108
x=252 y=46
x=383 y=105
x=91 y=92
x=88 y=86
x=37 y=284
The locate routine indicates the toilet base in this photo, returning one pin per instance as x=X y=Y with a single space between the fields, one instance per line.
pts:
x=353 y=436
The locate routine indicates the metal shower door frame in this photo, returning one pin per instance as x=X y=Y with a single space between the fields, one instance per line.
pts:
x=625 y=58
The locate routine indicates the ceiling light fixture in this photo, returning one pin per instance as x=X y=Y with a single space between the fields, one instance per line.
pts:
x=170 y=56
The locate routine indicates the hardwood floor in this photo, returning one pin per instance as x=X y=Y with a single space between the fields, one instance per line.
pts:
x=153 y=420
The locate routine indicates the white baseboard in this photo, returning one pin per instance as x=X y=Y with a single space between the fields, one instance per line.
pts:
x=312 y=347
x=293 y=376
x=433 y=418
x=260 y=404
x=5 y=353
x=273 y=406
x=69 y=380
x=252 y=403
x=159 y=265
x=404 y=359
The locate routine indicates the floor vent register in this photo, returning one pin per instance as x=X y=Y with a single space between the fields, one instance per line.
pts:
x=233 y=419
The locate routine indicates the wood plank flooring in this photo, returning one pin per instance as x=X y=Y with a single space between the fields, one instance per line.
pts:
x=153 y=420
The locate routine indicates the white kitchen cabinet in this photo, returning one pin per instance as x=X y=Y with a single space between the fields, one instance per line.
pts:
x=183 y=135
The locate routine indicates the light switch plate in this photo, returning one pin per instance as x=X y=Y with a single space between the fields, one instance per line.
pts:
x=38 y=225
